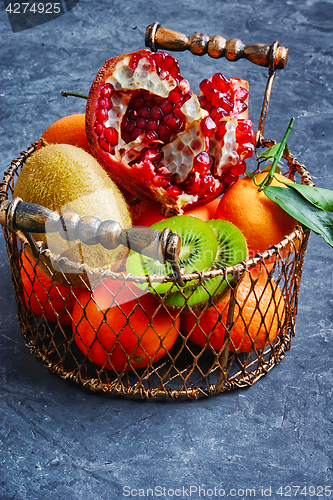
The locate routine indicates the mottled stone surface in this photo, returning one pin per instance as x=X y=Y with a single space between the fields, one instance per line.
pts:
x=59 y=441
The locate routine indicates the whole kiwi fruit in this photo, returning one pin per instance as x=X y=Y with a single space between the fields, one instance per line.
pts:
x=65 y=178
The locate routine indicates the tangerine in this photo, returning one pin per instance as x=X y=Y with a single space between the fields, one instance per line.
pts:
x=257 y=319
x=68 y=130
x=118 y=330
x=262 y=221
x=45 y=298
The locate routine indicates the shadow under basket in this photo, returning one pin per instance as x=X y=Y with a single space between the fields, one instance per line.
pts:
x=180 y=367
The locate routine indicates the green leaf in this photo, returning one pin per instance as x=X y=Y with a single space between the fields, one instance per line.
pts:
x=321 y=198
x=303 y=210
x=270 y=153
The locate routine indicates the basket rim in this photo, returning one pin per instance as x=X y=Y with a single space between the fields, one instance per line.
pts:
x=65 y=265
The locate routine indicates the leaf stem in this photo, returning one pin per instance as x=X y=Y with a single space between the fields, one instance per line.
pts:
x=65 y=93
x=277 y=157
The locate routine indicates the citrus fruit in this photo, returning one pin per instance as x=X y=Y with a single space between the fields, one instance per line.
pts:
x=117 y=330
x=261 y=220
x=45 y=298
x=68 y=130
x=65 y=178
x=258 y=317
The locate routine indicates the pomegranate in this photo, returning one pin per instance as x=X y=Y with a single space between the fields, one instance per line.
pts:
x=160 y=141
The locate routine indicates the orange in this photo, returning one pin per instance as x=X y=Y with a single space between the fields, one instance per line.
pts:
x=68 y=130
x=146 y=213
x=261 y=220
x=118 y=330
x=212 y=207
x=45 y=298
x=258 y=317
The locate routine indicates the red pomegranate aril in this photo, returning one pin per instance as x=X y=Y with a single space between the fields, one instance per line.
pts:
x=105 y=145
x=241 y=94
x=140 y=122
x=221 y=130
x=161 y=181
x=175 y=96
x=104 y=103
x=207 y=183
x=220 y=82
x=174 y=191
x=156 y=112
x=177 y=111
x=205 y=85
x=111 y=135
x=150 y=136
x=224 y=103
x=107 y=90
x=172 y=122
x=166 y=107
x=151 y=154
x=208 y=126
x=102 y=114
x=144 y=112
x=136 y=133
x=239 y=169
x=164 y=132
x=126 y=137
x=152 y=124
x=133 y=64
x=136 y=103
x=99 y=128
x=217 y=97
x=202 y=163
x=130 y=126
x=192 y=183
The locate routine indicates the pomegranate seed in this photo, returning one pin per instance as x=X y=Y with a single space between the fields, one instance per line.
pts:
x=150 y=154
x=239 y=169
x=144 y=112
x=102 y=102
x=111 y=135
x=105 y=145
x=174 y=191
x=151 y=136
x=221 y=130
x=241 y=94
x=175 y=96
x=208 y=127
x=134 y=61
x=220 y=82
x=140 y=122
x=136 y=132
x=224 y=103
x=136 y=103
x=178 y=111
x=216 y=97
x=172 y=122
x=107 y=90
x=158 y=58
x=202 y=163
x=129 y=126
x=152 y=124
x=102 y=114
x=99 y=128
x=164 y=132
x=161 y=181
x=126 y=137
x=156 y=112
x=207 y=183
x=166 y=107
x=205 y=85
x=191 y=185
x=184 y=86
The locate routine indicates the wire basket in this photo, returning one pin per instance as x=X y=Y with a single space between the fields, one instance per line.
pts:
x=154 y=350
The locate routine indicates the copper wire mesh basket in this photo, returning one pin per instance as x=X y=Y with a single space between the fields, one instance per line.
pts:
x=174 y=367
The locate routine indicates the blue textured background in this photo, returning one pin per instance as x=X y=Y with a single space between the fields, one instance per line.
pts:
x=62 y=442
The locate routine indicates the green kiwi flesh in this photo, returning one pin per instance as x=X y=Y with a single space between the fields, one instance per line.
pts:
x=198 y=251
x=232 y=248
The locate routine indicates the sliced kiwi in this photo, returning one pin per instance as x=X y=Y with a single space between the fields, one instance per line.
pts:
x=198 y=251
x=231 y=249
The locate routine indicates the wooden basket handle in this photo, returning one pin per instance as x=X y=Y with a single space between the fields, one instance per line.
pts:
x=216 y=46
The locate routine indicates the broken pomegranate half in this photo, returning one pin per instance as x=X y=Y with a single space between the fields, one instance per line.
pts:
x=160 y=141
